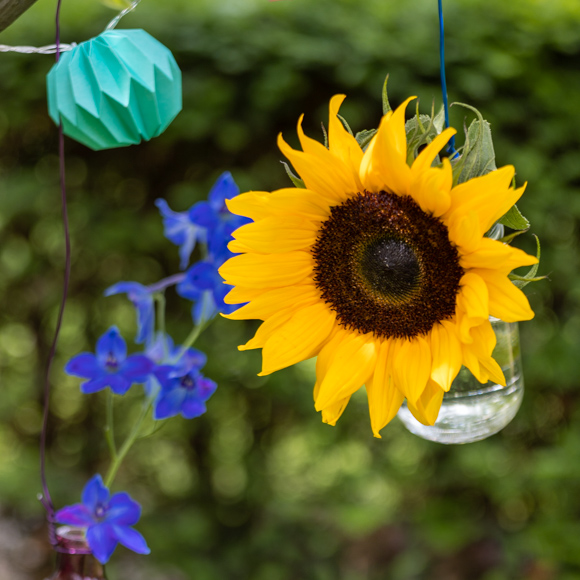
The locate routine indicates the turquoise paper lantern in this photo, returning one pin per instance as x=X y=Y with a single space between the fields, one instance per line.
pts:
x=117 y=89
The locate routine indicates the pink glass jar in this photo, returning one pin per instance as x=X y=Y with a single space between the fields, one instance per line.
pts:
x=74 y=558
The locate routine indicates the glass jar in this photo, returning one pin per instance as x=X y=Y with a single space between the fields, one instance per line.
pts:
x=74 y=558
x=472 y=411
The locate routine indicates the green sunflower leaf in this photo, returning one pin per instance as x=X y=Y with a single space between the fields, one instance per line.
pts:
x=325 y=133
x=386 y=104
x=420 y=131
x=293 y=178
x=514 y=219
x=510 y=237
x=522 y=281
x=419 y=126
x=478 y=155
x=345 y=124
x=439 y=120
x=363 y=138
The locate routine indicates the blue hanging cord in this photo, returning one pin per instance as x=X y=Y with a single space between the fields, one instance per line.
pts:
x=450 y=148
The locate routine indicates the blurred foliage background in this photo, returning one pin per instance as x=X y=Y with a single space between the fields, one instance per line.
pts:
x=258 y=487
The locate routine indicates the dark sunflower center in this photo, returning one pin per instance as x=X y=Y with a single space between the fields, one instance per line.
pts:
x=386 y=267
x=390 y=267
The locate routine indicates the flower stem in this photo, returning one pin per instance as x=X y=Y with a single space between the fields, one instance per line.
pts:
x=160 y=299
x=131 y=438
x=193 y=336
x=109 y=428
x=166 y=282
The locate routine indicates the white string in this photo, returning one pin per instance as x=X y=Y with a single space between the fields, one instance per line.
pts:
x=51 y=48
x=115 y=20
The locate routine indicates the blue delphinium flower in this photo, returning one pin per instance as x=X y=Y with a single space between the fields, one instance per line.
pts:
x=111 y=367
x=214 y=215
x=107 y=519
x=205 y=287
x=207 y=222
x=161 y=348
x=180 y=230
x=184 y=390
x=142 y=300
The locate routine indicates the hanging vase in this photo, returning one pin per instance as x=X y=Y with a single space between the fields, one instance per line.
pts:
x=472 y=411
x=75 y=560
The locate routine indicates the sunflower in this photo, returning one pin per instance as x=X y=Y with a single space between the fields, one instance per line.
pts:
x=380 y=268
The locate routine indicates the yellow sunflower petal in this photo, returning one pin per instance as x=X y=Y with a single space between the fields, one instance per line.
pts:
x=268 y=303
x=332 y=413
x=484 y=341
x=345 y=159
x=303 y=202
x=250 y=204
x=506 y=302
x=472 y=304
x=278 y=235
x=384 y=398
x=270 y=271
x=484 y=338
x=340 y=142
x=471 y=361
x=325 y=356
x=446 y=353
x=477 y=356
x=464 y=231
x=310 y=146
x=384 y=164
x=325 y=174
x=493 y=370
x=258 y=205
x=350 y=366
x=425 y=158
x=510 y=199
x=411 y=366
x=490 y=196
x=240 y=294
x=267 y=329
x=397 y=133
x=428 y=405
x=497 y=256
x=238 y=248
x=431 y=188
x=298 y=339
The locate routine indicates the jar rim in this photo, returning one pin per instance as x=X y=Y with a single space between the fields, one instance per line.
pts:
x=72 y=540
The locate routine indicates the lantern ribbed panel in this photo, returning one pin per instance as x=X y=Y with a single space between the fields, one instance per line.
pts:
x=115 y=90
